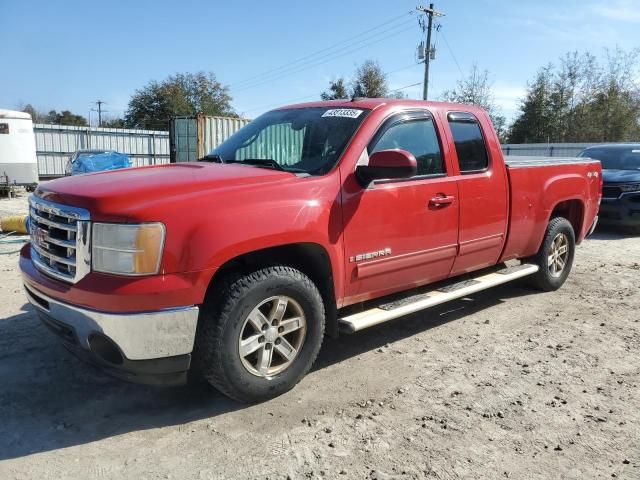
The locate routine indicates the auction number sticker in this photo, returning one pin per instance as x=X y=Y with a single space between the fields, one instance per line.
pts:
x=342 y=112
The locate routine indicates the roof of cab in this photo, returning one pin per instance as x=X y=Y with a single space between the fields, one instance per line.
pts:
x=374 y=103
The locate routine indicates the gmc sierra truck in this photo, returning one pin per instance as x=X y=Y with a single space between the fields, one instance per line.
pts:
x=313 y=219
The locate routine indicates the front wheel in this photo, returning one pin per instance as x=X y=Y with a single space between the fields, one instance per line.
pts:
x=555 y=257
x=260 y=333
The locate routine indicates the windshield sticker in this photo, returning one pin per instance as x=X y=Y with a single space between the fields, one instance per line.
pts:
x=343 y=112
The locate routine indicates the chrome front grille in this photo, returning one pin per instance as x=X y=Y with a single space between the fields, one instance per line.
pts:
x=60 y=239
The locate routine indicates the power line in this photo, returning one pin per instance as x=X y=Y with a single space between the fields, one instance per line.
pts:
x=401 y=68
x=349 y=39
x=452 y=54
x=284 y=102
x=406 y=86
x=281 y=103
x=321 y=60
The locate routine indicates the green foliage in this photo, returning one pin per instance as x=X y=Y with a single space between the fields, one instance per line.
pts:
x=64 y=117
x=152 y=106
x=369 y=81
x=113 y=123
x=476 y=89
x=30 y=109
x=337 y=90
x=582 y=100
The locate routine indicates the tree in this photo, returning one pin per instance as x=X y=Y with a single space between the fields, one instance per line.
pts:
x=53 y=117
x=152 y=106
x=115 y=122
x=615 y=108
x=583 y=100
x=28 y=108
x=534 y=122
x=476 y=89
x=337 y=90
x=66 y=118
x=369 y=81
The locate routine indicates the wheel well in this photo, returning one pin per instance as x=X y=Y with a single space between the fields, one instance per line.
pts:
x=310 y=258
x=572 y=210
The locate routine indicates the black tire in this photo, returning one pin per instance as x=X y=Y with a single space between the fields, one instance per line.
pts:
x=222 y=322
x=545 y=279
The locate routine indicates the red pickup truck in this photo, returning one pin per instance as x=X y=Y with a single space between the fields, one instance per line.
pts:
x=312 y=219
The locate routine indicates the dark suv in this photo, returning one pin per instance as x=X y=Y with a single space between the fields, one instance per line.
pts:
x=621 y=188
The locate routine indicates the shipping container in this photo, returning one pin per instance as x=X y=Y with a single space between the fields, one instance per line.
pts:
x=193 y=137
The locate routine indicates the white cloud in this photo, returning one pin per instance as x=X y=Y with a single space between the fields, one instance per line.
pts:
x=623 y=10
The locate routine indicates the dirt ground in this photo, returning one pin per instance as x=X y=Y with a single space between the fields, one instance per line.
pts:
x=508 y=383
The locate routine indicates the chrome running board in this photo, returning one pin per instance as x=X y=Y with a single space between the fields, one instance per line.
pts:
x=414 y=303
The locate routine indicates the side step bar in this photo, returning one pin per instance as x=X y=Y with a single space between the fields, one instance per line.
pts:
x=414 y=303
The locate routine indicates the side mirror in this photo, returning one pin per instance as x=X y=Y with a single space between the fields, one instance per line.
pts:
x=387 y=164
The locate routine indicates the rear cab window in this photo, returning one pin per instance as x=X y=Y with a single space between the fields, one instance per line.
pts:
x=469 y=142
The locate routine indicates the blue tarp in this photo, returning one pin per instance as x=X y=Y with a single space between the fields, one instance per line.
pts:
x=99 y=162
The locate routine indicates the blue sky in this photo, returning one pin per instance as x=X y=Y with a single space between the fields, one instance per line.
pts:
x=66 y=54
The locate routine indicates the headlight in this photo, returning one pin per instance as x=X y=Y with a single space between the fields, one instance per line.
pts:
x=127 y=249
x=633 y=187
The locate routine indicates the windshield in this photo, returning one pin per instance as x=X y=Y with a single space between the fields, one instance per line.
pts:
x=304 y=140
x=615 y=158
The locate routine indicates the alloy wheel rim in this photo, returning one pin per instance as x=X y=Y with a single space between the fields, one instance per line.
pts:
x=558 y=255
x=272 y=335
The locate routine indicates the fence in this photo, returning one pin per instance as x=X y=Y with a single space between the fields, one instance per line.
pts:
x=56 y=143
x=192 y=138
x=545 y=149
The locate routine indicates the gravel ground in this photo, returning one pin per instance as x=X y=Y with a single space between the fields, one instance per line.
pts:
x=508 y=383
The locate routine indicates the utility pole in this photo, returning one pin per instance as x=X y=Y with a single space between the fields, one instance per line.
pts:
x=99 y=103
x=429 y=51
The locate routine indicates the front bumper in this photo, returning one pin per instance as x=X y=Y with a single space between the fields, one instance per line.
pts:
x=623 y=211
x=146 y=347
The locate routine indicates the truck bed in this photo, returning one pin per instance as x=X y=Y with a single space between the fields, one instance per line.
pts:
x=536 y=185
x=515 y=161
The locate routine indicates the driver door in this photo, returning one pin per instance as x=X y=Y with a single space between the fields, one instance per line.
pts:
x=396 y=233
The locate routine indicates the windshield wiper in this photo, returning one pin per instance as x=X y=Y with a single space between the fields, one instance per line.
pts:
x=261 y=162
x=266 y=163
x=211 y=158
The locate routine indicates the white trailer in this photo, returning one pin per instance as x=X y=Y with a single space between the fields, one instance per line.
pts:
x=18 y=161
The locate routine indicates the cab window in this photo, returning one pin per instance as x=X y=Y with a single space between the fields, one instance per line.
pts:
x=417 y=136
x=469 y=142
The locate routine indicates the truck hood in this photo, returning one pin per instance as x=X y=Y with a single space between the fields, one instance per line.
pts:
x=123 y=191
x=620 y=176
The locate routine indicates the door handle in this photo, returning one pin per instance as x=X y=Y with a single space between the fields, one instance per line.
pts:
x=442 y=201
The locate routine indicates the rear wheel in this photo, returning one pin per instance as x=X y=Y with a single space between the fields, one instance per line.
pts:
x=260 y=333
x=555 y=257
